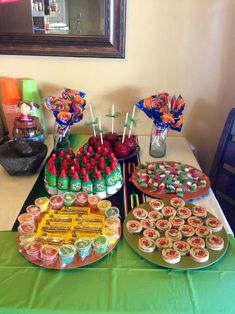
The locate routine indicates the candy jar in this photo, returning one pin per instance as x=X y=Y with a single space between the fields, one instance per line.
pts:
x=27 y=127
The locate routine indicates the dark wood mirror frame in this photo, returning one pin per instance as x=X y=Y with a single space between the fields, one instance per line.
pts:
x=110 y=45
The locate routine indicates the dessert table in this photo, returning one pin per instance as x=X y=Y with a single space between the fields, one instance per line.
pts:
x=122 y=282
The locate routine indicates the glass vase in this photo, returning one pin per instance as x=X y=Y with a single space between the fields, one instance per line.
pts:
x=157 y=147
x=61 y=138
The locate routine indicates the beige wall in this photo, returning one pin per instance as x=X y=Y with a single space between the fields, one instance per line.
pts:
x=180 y=46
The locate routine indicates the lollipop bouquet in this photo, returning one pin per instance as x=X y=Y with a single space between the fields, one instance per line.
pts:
x=166 y=113
x=67 y=110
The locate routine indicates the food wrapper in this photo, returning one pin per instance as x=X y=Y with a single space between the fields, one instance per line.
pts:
x=88 y=226
x=75 y=210
x=92 y=218
x=85 y=234
x=54 y=238
x=164 y=110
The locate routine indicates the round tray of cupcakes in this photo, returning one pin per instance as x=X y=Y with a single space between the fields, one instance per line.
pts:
x=175 y=234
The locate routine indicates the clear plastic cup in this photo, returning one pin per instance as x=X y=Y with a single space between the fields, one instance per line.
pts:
x=48 y=254
x=33 y=250
x=113 y=222
x=81 y=199
x=42 y=202
x=112 y=234
x=83 y=247
x=27 y=227
x=26 y=238
x=34 y=210
x=67 y=253
x=100 y=244
x=112 y=212
x=69 y=198
x=93 y=201
x=26 y=218
x=103 y=205
x=56 y=202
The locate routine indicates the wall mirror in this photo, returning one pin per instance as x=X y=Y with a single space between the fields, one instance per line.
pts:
x=73 y=28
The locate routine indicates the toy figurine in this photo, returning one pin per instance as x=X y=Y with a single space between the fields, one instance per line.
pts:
x=25 y=109
x=26 y=126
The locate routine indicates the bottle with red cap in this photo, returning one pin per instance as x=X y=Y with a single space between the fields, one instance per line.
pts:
x=91 y=151
x=71 y=152
x=117 y=175
x=63 y=182
x=83 y=173
x=75 y=183
x=61 y=155
x=79 y=156
x=71 y=172
x=84 y=161
x=99 y=185
x=102 y=167
x=76 y=164
x=47 y=170
x=87 y=185
x=68 y=159
x=52 y=180
x=88 y=168
x=110 y=181
x=65 y=165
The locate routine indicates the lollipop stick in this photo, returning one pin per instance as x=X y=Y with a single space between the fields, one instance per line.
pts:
x=132 y=118
x=112 y=118
x=92 y=120
x=124 y=131
x=101 y=135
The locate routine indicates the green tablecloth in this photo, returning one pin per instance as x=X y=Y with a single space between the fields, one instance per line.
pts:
x=122 y=282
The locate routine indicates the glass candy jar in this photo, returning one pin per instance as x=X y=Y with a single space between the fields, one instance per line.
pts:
x=28 y=129
x=157 y=147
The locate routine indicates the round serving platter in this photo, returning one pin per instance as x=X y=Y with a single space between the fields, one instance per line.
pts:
x=155 y=257
x=156 y=194
x=77 y=262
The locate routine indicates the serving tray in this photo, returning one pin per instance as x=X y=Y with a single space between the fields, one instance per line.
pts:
x=162 y=194
x=77 y=262
x=155 y=257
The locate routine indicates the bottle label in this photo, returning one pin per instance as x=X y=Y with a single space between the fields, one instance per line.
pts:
x=100 y=185
x=87 y=187
x=76 y=187
x=110 y=180
x=63 y=184
x=117 y=175
x=52 y=181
